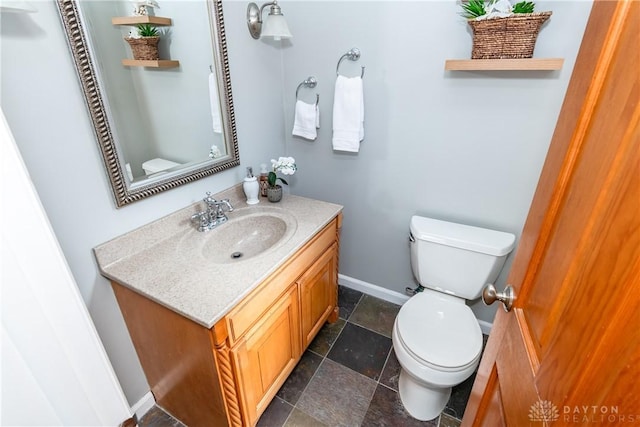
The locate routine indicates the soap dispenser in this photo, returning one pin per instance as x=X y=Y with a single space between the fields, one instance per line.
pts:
x=251 y=187
x=264 y=180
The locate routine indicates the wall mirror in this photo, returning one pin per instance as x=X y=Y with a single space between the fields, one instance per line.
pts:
x=159 y=124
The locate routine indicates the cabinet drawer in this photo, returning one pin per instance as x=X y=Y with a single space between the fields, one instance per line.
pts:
x=245 y=314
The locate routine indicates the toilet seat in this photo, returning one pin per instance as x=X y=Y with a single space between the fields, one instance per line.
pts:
x=440 y=333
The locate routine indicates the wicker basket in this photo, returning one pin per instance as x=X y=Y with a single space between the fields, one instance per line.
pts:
x=144 y=48
x=510 y=37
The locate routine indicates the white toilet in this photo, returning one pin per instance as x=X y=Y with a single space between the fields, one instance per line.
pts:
x=156 y=165
x=436 y=336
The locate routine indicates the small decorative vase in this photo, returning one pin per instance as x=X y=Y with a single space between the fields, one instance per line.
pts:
x=274 y=194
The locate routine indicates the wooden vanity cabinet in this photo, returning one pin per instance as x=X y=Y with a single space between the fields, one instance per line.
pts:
x=228 y=375
x=316 y=287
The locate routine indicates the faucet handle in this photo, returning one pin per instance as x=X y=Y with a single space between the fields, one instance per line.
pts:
x=226 y=203
x=200 y=220
x=219 y=207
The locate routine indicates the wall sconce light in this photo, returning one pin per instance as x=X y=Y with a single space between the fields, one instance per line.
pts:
x=274 y=26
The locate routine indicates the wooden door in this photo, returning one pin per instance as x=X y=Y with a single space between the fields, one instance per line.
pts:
x=317 y=294
x=265 y=357
x=569 y=352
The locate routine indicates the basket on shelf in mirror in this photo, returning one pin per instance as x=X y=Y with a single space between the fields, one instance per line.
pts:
x=502 y=31
x=145 y=46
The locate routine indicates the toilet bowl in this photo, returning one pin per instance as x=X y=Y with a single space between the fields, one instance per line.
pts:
x=438 y=344
x=436 y=337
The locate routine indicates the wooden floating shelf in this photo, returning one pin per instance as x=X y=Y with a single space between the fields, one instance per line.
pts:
x=160 y=63
x=524 y=64
x=135 y=20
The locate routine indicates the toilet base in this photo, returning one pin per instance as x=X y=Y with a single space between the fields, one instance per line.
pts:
x=421 y=402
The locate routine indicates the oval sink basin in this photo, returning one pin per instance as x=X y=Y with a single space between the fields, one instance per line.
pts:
x=246 y=236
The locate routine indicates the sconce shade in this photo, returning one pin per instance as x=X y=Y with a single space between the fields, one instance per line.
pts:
x=276 y=26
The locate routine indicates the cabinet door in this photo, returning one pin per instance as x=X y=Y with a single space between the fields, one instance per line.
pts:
x=267 y=354
x=318 y=293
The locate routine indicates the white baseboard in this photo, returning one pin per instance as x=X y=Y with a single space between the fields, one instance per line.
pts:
x=389 y=295
x=373 y=290
x=143 y=405
x=485 y=326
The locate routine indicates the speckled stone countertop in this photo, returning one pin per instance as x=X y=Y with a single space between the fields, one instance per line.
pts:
x=164 y=260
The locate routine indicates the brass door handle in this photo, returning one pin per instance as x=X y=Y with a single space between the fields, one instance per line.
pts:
x=490 y=295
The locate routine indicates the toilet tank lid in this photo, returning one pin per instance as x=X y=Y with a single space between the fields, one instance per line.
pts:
x=158 y=164
x=483 y=240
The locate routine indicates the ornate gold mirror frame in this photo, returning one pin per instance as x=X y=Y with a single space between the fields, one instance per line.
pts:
x=123 y=190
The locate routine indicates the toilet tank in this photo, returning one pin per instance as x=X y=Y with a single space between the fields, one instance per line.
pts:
x=157 y=165
x=457 y=259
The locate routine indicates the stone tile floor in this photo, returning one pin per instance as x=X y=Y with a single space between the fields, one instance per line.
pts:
x=347 y=377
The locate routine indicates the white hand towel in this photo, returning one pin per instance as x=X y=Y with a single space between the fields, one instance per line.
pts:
x=215 y=104
x=348 y=114
x=306 y=121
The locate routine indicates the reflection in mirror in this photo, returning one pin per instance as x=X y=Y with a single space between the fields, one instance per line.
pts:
x=169 y=122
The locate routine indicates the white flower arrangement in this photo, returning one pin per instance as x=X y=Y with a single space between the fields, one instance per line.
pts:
x=214 y=152
x=487 y=9
x=284 y=165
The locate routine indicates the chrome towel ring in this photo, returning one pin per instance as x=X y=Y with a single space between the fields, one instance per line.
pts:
x=352 y=55
x=309 y=82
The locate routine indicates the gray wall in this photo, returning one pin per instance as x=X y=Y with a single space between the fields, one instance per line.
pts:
x=458 y=146
x=419 y=156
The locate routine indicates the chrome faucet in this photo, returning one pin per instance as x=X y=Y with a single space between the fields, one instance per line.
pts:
x=214 y=215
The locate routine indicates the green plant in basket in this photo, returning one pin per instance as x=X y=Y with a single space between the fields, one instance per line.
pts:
x=473 y=9
x=146 y=30
x=523 y=7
